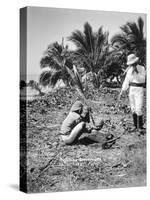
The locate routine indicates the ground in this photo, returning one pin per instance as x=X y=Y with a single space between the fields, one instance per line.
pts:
x=53 y=166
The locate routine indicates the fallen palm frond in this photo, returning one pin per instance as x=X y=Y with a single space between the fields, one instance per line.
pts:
x=46 y=167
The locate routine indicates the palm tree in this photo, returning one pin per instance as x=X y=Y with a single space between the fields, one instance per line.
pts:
x=56 y=58
x=132 y=39
x=90 y=49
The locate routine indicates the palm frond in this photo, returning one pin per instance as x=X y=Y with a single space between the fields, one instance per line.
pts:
x=134 y=30
x=78 y=39
x=55 y=76
x=141 y=25
x=45 y=78
x=83 y=58
x=45 y=61
x=118 y=38
x=125 y=29
x=101 y=44
x=89 y=37
x=99 y=40
x=101 y=37
x=54 y=47
x=78 y=79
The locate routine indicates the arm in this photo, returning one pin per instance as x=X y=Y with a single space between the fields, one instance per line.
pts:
x=125 y=85
x=142 y=75
x=86 y=117
x=127 y=79
x=86 y=114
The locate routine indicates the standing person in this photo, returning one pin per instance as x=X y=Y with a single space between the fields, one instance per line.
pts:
x=76 y=123
x=135 y=81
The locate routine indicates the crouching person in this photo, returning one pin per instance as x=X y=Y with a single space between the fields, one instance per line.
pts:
x=75 y=123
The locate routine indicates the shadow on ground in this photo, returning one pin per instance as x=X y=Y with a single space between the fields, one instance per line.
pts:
x=14 y=187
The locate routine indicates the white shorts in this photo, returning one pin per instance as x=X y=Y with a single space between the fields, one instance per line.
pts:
x=136 y=95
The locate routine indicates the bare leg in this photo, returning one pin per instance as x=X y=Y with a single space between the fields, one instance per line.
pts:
x=75 y=133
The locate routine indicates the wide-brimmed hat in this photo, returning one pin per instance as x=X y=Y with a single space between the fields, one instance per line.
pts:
x=76 y=106
x=131 y=59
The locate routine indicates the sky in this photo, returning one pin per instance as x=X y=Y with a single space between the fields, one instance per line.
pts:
x=47 y=25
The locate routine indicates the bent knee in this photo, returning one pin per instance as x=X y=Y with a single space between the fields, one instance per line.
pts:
x=82 y=124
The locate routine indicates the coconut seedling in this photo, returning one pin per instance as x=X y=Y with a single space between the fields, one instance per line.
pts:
x=79 y=87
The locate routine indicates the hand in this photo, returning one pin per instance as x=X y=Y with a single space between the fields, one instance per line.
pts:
x=89 y=109
x=99 y=125
x=89 y=129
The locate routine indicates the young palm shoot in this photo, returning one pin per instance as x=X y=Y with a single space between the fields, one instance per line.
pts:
x=77 y=81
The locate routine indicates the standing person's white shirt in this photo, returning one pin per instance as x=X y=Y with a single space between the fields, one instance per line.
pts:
x=133 y=77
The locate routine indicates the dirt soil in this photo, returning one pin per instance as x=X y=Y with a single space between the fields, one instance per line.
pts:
x=53 y=166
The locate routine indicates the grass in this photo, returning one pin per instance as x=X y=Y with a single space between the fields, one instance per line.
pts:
x=86 y=165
